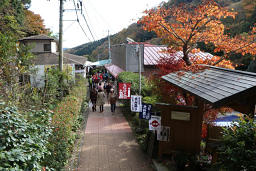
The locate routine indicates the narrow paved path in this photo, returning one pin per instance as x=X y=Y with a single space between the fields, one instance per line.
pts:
x=109 y=144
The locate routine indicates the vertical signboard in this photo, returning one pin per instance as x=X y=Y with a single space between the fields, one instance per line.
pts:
x=146 y=111
x=136 y=104
x=124 y=91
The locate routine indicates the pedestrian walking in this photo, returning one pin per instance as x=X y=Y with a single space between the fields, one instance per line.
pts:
x=93 y=97
x=112 y=100
x=108 y=88
x=90 y=82
x=101 y=99
x=101 y=86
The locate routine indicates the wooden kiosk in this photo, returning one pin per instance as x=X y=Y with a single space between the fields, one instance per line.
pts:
x=214 y=87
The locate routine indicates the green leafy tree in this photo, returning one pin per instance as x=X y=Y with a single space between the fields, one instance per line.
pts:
x=238 y=151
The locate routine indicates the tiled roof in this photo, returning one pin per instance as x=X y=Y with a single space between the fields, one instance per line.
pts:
x=152 y=54
x=215 y=85
x=38 y=37
x=113 y=69
x=53 y=59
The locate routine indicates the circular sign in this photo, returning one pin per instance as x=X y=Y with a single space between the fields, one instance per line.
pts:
x=155 y=123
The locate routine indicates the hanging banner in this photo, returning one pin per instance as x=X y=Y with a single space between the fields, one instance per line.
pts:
x=124 y=90
x=163 y=133
x=146 y=111
x=136 y=104
x=154 y=122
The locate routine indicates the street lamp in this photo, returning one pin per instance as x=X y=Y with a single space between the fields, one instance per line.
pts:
x=138 y=51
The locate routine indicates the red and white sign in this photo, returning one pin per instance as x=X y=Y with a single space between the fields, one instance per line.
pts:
x=124 y=90
x=154 y=122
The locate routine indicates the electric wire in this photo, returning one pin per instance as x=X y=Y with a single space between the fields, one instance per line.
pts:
x=100 y=16
x=83 y=11
x=69 y=26
x=88 y=26
x=79 y=22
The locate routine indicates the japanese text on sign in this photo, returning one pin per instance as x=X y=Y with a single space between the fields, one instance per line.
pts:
x=136 y=104
x=124 y=90
x=146 y=111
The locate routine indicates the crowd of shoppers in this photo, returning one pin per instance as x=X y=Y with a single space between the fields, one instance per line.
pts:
x=101 y=89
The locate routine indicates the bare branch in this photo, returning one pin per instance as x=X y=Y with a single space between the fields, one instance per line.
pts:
x=173 y=33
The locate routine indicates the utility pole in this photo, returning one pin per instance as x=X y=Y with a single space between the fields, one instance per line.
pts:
x=138 y=51
x=60 y=36
x=109 y=50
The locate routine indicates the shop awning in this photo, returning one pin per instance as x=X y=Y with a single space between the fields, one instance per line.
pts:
x=113 y=69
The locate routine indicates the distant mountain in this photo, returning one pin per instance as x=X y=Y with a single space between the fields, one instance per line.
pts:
x=99 y=48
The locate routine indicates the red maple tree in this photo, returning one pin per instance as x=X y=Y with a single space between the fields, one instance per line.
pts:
x=181 y=28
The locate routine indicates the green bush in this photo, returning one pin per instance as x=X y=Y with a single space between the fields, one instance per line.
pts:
x=23 y=143
x=133 y=78
x=140 y=127
x=238 y=151
x=64 y=122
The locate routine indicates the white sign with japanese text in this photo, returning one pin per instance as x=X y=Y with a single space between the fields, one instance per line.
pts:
x=136 y=103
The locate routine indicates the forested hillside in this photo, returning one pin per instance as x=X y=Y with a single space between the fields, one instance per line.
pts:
x=99 y=48
x=245 y=18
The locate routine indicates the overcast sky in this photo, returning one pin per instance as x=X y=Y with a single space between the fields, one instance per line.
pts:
x=101 y=16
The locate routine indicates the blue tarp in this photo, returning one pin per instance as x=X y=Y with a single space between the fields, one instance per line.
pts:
x=101 y=63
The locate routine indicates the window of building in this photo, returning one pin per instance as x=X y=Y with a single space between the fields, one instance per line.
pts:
x=47 y=47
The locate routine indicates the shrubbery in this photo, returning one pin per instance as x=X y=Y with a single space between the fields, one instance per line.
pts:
x=238 y=151
x=23 y=141
x=65 y=123
x=139 y=126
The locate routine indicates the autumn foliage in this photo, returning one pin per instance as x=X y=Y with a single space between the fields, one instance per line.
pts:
x=181 y=28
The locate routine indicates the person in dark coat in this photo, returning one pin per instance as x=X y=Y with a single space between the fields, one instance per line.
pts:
x=112 y=100
x=108 y=88
x=93 y=97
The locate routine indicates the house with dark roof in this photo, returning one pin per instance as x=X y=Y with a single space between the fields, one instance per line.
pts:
x=45 y=49
x=125 y=57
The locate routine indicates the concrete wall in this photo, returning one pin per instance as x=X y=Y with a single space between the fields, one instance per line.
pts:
x=132 y=58
x=118 y=55
x=38 y=45
x=126 y=57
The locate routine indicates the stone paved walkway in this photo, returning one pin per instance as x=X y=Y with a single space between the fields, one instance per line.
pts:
x=109 y=145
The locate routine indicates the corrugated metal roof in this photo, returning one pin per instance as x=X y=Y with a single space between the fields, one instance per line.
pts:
x=214 y=84
x=152 y=54
x=53 y=59
x=113 y=69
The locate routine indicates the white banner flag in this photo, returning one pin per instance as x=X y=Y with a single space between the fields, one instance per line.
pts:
x=136 y=104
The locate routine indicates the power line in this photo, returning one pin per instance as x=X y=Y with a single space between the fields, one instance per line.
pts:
x=83 y=30
x=83 y=7
x=79 y=22
x=101 y=17
x=88 y=26
x=69 y=26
